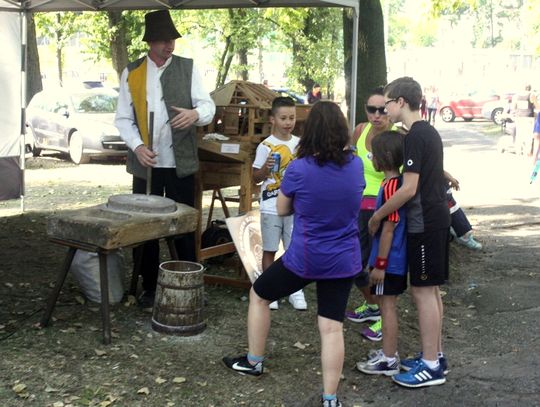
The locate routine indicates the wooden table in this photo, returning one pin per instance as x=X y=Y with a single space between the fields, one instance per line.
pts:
x=99 y=230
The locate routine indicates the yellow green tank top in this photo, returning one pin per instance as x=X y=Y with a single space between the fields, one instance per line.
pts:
x=373 y=178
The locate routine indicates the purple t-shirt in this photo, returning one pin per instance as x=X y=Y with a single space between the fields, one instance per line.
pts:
x=326 y=202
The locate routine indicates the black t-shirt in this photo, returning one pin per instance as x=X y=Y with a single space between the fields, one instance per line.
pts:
x=423 y=154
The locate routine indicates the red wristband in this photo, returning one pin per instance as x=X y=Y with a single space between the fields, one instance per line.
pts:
x=381 y=263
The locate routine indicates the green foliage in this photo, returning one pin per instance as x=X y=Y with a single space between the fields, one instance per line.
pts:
x=532 y=23
x=454 y=8
x=235 y=37
x=60 y=26
x=315 y=36
x=99 y=34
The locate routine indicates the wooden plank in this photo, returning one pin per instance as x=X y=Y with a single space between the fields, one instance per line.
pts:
x=212 y=150
x=218 y=250
x=222 y=96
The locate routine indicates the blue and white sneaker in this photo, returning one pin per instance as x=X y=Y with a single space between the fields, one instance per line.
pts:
x=420 y=376
x=410 y=363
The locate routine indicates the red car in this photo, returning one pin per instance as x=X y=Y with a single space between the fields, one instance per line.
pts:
x=468 y=107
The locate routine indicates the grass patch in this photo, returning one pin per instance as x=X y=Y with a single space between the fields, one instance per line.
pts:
x=491 y=129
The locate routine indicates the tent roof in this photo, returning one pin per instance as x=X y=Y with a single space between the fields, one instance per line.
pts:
x=98 y=5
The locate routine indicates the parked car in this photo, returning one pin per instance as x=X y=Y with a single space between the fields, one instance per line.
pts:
x=300 y=99
x=93 y=84
x=498 y=110
x=468 y=106
x=79 y=123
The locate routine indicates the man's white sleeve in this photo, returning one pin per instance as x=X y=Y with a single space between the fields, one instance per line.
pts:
x=125 y=118
x=201 y=100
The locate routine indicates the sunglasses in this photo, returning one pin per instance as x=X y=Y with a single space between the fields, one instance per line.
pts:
x=374 y=109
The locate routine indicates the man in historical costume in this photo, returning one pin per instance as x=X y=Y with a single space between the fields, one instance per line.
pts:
x=171 y=88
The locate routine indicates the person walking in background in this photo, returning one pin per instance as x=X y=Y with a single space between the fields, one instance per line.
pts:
x=432 y=104
x=523 y=110
x=363 y=135
x=273 y=156
x=536 y=130
x=323 y=187
x=428 y=223
x=171 y=88
x=423 y=107
x=314 y=95
x=388 y=258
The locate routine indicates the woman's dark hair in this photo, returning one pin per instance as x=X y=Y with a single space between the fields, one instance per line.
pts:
x=387 y=149
x=326 y=134
x=379 y=90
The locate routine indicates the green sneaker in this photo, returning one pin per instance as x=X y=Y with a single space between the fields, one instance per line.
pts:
x=374 y=332
x=364 y=313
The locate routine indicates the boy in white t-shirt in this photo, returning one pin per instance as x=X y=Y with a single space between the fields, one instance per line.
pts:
x=276 y=228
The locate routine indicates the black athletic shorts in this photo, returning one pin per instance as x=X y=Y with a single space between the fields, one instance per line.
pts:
x=427 y=256
x=332 y=294
x=393 y=284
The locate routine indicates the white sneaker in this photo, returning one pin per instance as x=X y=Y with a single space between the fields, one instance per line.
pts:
x=273 y=305
x=298 y=300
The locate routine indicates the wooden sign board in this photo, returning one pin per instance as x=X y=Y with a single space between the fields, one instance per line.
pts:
x=245 y=231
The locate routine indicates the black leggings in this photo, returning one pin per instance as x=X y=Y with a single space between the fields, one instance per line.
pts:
x=332 y=294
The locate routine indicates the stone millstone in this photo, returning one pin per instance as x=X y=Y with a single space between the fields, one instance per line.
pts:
x=141 y=203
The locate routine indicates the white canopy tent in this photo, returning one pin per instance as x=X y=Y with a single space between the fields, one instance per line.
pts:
x=13 y=77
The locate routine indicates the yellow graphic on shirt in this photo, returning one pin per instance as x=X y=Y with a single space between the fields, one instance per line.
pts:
x=287 y=156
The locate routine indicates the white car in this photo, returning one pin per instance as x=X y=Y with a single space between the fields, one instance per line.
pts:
x=497 y=110
x=77 y=122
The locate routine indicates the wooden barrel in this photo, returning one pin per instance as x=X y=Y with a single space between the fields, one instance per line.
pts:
x=178 y=307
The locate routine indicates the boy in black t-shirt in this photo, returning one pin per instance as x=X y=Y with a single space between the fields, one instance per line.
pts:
x=428 y=222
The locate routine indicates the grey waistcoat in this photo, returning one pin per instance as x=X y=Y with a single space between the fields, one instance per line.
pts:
x=176 y=86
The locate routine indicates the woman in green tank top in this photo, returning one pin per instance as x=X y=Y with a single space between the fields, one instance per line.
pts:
x=378 y=122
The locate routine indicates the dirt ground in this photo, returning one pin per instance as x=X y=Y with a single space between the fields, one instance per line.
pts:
x=491 y=310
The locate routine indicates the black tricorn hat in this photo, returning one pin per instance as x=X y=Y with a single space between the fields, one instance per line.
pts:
x=159 y=26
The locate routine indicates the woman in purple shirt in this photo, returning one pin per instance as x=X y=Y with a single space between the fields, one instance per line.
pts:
x=321 y=187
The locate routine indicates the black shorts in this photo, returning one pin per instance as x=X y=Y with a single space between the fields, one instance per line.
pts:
x=332 y=294
x=393 y=284
x=427 y=256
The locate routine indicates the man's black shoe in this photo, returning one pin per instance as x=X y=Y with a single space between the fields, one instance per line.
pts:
x=146 y=300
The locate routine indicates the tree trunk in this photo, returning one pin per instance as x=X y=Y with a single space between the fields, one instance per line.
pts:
x=59 y=64
x=227 y=67
x=225 y=62
x=119 y=52
x=260 y=61
x=306 y=82
x=371 y=53
x=59 y=48
x=33 y=71
x=243 y=61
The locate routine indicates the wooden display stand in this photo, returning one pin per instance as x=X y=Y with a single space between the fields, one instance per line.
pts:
x=243 y=116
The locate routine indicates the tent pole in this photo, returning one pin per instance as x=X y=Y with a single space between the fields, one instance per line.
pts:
x=22 y=144
x=354 y=69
